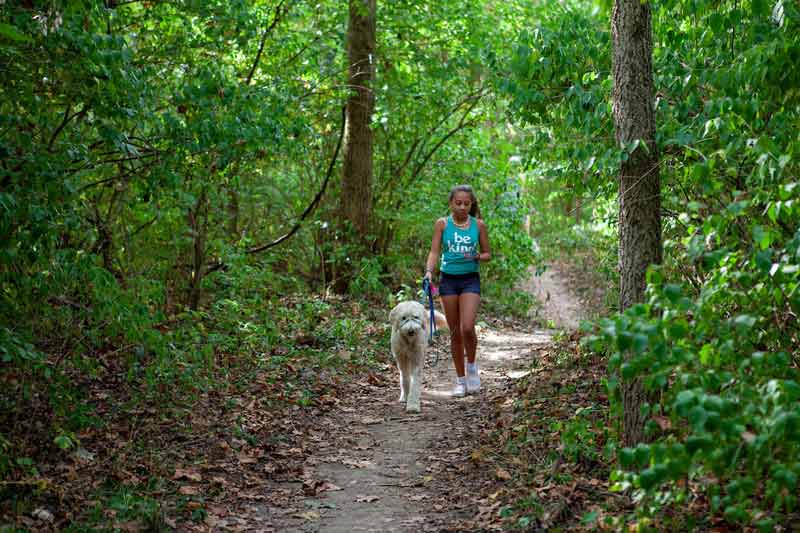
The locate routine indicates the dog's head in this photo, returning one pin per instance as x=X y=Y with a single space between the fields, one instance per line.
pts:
x=409 y=318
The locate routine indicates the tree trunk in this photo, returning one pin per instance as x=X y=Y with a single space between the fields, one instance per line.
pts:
x=639 y=180
x=357 y=169
x=198 y=224
x=357 y=172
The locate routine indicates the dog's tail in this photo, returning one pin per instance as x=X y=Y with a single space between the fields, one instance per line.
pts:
x=440 y=320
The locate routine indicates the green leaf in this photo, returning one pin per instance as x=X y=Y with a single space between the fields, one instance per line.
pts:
x=678 y=329
x=624 y=340
x=10 y=32
x=64 y=442
x=695 y=443
x=697 y=417
x=761 y=8
x=627 y=457
x=763 y=260
x=684 y=401
x=640 y=343
x=648 y=478
x=672 y=292
x=744 y=322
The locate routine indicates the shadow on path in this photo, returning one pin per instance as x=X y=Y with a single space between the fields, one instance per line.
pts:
x=380 y=469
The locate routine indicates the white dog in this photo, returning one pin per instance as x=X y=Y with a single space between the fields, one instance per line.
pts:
x=410 y=326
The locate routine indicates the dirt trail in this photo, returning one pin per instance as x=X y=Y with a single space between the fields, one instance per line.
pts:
x=558 y=304
x=380 y=469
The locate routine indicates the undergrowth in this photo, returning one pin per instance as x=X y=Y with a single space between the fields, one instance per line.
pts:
x=105 y=411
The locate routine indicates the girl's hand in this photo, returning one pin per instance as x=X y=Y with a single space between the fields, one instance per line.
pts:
x=428 y=275
x=474 y=257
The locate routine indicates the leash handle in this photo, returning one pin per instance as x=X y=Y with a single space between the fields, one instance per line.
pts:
x=428 y=290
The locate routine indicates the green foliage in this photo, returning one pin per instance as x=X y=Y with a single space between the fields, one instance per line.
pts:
x=717 y=336
x=724 y=355
x=146 y=149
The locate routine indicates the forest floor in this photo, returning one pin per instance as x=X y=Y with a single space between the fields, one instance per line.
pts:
x=263 y=456
x=369 y=466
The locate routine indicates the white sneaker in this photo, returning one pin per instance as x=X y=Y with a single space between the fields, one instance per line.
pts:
x=460 y=390
x=473 y=379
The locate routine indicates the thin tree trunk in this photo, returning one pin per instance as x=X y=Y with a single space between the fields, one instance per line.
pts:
x=198 y=223
x=639 y=180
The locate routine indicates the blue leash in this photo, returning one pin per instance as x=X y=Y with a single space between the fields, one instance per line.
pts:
x=428 y=291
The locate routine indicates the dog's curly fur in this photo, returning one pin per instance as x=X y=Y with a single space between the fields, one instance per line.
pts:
x=410 y=325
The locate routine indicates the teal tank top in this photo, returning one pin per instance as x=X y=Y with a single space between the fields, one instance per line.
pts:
x=455 y=243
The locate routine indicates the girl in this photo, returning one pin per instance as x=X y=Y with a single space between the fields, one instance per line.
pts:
x=458 y=238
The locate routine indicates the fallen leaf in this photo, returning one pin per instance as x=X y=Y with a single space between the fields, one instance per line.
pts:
x=43 y=514
x=311 y=487
x=308 y=515
x=191 y=475
x=663 y=422
x=503 y=474
x=368 y=421
x=329 y=487
x=367 y=499
x=246 y=459
x=189 y=490
x=356 y=463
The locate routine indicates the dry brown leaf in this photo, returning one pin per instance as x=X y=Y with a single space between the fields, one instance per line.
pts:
x=663 y=422
x=189 y=490
x=186 y=473
x=328 y=487
x=246 y=459
x=503 y=474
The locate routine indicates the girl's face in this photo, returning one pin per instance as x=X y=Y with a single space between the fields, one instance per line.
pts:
x=461 y=204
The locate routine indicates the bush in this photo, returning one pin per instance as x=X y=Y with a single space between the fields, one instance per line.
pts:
x=724 y=358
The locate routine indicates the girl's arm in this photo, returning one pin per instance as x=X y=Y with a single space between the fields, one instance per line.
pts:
x=436 y=247
x=483 y=238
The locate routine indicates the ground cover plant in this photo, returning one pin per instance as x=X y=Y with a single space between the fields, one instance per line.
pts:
x=712 y=340
x=172 y=239
x=206 y=208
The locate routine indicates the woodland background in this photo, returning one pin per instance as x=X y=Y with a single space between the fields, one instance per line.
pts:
x=183 y=213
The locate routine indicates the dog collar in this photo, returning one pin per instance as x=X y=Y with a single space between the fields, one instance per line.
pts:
x=412 y=319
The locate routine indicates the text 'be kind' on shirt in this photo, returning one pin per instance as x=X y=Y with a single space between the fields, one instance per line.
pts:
x=456 y=242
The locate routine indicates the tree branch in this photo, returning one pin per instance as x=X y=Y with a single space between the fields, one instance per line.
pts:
x=316 y=199
x=264 y=35
x=67 y=118
x=462 y=123
x=306 y=212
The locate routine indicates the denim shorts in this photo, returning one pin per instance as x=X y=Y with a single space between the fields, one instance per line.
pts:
x=455 y=284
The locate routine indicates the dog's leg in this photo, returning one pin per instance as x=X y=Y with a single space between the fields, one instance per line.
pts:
x=405 y=381
x=403 y=386
x=413 y=405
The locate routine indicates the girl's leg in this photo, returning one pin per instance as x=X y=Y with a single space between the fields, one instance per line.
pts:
x=451 y=312
x=468 y=310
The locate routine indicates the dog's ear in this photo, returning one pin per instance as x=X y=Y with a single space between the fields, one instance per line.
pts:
x=393 y=314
